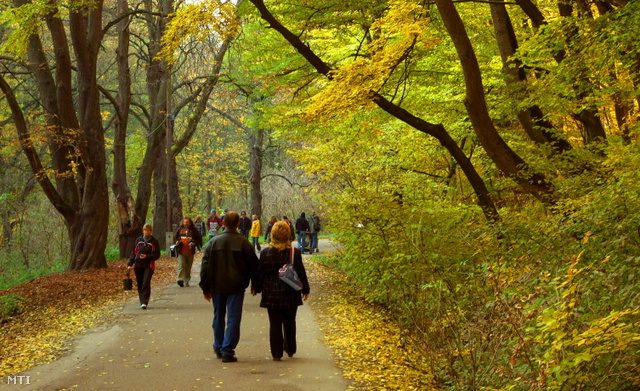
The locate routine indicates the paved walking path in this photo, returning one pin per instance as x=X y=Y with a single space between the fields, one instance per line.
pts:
x=168 y=347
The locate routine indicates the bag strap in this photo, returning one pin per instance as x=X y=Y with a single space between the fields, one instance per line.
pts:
x=292 y=251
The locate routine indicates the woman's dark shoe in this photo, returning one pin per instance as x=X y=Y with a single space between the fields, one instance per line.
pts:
x=276 y=359
x=181 y=283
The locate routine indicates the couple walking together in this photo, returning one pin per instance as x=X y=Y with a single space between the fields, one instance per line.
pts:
x=229 y=264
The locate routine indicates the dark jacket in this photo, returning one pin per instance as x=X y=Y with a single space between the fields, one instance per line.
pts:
x=266 y=234
x=228 y=264
x=293 y=232
x=275 y=293
x=151 y=257
x=245 y=224
x=201 y=226
x=302 y=224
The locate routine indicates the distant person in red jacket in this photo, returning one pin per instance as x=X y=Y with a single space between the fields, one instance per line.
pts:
x=214 y=223
x=188 y=238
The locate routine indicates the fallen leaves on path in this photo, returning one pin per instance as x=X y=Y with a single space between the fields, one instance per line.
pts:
x=61 y=305
x=366 y=342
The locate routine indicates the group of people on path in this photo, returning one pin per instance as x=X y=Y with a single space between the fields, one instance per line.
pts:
x=304 y=227
x=229 y=266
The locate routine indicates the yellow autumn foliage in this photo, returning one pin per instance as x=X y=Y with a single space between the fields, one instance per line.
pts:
x=199 y=21
x=394 y=37
x=369 y=346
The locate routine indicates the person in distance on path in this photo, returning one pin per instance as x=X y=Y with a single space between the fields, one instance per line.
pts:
x=255 y=232
x=244 y=225
x=302 y=226
x=279 y=299
x=146 y=252
x=229 y=263
x=188 y=237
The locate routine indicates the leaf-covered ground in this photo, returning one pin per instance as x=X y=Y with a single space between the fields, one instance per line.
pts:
x=366 y=343
x=61 y=305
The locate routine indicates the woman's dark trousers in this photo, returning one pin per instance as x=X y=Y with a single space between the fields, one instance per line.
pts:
x=282 y=331
x=143 y=279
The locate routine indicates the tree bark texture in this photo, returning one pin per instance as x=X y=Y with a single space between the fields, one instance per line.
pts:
x=438 y=131
x=497 y=149
x=129 y=223
x=255 y=166
x=160 y=225
x=157 y=84
x=77 y=140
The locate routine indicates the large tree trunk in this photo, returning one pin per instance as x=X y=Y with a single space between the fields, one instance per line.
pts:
x=532 y=119
x=77 y=145
x=500 y=153
x=437 y=131
x=90 y=240
x=255 y=171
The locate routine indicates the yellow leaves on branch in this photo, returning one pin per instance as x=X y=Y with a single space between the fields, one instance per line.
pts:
x=394 y=37
x=200 y=21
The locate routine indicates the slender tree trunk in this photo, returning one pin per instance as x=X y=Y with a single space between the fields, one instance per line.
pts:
x=532 y=119
x=255 y=166
x=502 y=155
x=160 y=224
x=588 y=117
x=129 y=223
x=157 y=81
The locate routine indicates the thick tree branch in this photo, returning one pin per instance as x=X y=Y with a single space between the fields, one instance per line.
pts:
x=32 y=156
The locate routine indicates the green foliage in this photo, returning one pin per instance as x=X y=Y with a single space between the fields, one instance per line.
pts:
x=112 y=253
x=23 y=21
x=10 y=305
x=544 y=300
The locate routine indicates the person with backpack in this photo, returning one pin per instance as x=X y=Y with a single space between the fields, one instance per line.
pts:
x=188 y=238
x=146 y=252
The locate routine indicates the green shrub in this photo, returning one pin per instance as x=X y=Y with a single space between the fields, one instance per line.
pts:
x=112 y=253
x=10 y=305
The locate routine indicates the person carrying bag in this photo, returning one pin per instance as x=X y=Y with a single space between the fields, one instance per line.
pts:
x=279 y=298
